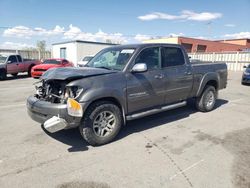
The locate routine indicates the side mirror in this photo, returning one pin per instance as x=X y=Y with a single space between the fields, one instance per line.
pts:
x=139 y=67
x=9 y=62
x=244 y=66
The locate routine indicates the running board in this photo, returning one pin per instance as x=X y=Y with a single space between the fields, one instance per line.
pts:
x=156 y=110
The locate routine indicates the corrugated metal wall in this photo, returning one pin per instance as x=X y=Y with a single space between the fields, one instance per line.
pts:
x=234 y=60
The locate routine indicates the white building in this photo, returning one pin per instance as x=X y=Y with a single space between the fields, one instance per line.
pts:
x=75 y=50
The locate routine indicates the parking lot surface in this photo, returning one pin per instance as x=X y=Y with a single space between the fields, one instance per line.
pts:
x=179 y=148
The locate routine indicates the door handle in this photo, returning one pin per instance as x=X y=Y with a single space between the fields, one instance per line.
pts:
x=159 y=76
x=188 y=73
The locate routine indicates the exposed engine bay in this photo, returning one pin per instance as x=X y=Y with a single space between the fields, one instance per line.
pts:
x=55 y=91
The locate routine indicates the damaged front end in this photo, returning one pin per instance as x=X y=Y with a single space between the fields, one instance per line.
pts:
x=56 y=91
x=55 y=105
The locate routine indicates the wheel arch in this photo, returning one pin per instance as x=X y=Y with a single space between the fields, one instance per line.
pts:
x=112 y=100
x=208 y=79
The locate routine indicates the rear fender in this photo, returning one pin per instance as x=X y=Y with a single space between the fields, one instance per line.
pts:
x=205 y=79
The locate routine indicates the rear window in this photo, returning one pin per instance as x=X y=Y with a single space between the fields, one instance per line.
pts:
x=56 y=62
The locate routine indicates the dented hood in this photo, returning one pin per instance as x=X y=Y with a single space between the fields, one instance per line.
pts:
x=71 y=73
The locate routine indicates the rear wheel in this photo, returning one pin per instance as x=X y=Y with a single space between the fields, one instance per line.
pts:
x=206 y=101
x=101 y=123
x=29 y=70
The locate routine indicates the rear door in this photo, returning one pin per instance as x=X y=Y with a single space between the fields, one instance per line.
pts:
x=12 y=65
x=146 y=89
x=21 y=65
x=178 y=74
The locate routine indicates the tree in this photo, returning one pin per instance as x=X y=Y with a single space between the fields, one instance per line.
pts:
x=41 y=45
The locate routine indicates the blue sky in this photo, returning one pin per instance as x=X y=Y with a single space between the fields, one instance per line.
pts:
x=23 y=22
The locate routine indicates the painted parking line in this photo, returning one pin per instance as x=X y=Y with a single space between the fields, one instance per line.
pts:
x=12 y=105
x=186 y=169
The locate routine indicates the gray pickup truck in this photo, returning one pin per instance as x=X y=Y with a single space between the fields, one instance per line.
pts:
x=122 y=83
x=13 y=64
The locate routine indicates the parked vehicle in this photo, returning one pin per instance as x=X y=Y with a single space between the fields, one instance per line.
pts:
x=13 y=64
x=246 y=75
x=123 y=83
x=38 y=70
x=84 y=61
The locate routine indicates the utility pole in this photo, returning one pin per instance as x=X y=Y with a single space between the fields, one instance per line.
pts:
x=209 y=29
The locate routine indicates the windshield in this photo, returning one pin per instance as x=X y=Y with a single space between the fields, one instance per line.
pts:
x=3 y=59
x=56 y=62
x=113 y=58
x=87 y=58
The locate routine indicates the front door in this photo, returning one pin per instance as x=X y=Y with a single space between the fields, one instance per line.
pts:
x=146 y=89
x=12 y=65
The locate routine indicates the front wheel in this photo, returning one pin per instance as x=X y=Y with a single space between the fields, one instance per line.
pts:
x=3 y=75
x=101 y=123
x=206 y=101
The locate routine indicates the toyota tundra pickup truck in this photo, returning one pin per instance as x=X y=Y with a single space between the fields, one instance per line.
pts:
x=13 y=64
x=123 y=83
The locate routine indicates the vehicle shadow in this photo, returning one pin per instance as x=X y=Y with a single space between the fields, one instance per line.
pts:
x=73 y=138
x=70 y=137
x=162 y=118
x=10 y=77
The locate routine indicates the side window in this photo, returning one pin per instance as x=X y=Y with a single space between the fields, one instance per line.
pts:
x=172 y=56
x=19 y=58
x=150 y=56
x=12 y=59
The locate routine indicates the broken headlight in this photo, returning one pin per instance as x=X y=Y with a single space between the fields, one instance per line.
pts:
x=73 y=92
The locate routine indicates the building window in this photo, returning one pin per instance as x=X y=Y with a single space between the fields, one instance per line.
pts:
x=188 y=47
x=201 y=48
x=63 y=53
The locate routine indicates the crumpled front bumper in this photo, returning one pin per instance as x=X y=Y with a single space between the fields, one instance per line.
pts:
x=40 y=111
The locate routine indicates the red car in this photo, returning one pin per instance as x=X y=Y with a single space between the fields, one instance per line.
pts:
x=38 y=70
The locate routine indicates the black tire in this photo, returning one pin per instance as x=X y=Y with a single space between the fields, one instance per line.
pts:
x=29 y=70
x=206 y=101
x=14 y=75
x=90 y=132
x=3 y=74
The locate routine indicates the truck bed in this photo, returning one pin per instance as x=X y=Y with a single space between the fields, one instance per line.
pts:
x=201 y=69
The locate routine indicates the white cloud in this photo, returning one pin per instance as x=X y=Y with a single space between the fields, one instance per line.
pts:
x=230 y=25
x=185 y=15
x=140 y=37
x=238 y=35
x=15 y=45
x=26 y=32
x=76 y=33
x=175 y=34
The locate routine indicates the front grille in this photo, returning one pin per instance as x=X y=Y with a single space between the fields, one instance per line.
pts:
x=39 y=70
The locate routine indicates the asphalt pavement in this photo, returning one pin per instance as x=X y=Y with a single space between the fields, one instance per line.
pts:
x=179 y=148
